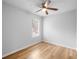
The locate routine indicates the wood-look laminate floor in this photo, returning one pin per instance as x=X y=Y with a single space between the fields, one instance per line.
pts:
x=44 y=51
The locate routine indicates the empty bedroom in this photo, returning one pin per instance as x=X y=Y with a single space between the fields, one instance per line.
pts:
x=39 y=29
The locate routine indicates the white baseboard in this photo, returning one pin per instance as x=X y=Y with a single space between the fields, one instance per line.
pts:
x=60 y=45
x=32 y=45
x=64 y=46
x=20 y=49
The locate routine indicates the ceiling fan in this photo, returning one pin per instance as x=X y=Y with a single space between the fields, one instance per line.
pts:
x=45 y=7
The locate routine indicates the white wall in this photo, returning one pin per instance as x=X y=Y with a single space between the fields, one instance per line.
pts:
x=17 y=29
x=61 y=29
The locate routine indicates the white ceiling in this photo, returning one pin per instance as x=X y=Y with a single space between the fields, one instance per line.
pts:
x=33 y=5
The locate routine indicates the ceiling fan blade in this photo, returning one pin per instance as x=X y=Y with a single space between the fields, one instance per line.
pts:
x=53 y=9
x=46 y=12
x=46 y=3
x=38 y=10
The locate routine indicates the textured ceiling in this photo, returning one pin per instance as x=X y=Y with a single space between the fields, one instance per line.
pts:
x=33 y=5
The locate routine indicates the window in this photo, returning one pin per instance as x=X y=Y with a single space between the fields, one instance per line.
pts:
x=35 y=27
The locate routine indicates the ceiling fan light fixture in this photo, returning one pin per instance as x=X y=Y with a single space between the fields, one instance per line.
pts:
x=44 y=9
